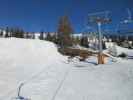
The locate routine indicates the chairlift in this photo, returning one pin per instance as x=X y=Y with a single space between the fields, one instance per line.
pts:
x=129 y=18
x=124 y=26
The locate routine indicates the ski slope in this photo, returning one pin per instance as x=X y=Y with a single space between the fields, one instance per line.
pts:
x=102 y=82
x=32 y=62
x=47 y=75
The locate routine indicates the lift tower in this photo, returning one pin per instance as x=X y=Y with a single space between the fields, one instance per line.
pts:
x=99 y=18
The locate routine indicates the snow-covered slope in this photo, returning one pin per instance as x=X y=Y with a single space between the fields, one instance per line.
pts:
x=24 y=61
x=102 y=82
x=47 y=76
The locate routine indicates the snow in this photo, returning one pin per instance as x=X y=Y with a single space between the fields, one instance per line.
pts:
x=103 y=82
x=29 y=62
x=47 y=75
x=124 y=50
x=119 y=49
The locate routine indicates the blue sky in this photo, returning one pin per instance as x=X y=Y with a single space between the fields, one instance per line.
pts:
x=37 y=15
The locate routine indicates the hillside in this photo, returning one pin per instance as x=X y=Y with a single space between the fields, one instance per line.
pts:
x=47 y=75
x=23 y=61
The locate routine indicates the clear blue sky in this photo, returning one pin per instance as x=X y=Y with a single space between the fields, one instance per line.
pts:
x=35 y=15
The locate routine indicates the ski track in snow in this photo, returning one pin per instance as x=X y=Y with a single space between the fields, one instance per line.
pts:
x=41 y=76
x=34 y=62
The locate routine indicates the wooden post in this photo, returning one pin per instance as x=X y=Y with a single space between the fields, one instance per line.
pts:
x=100 y=58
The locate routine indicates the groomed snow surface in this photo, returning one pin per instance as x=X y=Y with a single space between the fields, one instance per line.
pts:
x=47 y=75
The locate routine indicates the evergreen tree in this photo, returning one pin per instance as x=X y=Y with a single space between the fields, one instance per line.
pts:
x=27 y=35
x=33 y=36
x=11 y=32
x=18 y=33
x=7 y=32
x=64 y=32
x=54 y=39
x=84 y=41
x=76 y=40
x=41 y=37
x=1 y=34
x=103 y=45
x=48 y=37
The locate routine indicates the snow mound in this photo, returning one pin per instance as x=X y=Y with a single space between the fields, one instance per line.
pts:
x=119 y=49
x=127 y=51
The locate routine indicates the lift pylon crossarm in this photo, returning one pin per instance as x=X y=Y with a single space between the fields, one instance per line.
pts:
x=98 y=13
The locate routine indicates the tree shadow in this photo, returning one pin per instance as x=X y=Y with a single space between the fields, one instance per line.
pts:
x=90 y=62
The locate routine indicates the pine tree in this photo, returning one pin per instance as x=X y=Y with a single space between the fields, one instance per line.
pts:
x=64 y=32
x=26 y=35
x=33 y=36
x=103 y=45
x=7 y=32
x=48 y=37
x=77 y=40
x=54 y=39
x=11 y=32
x=18 y=33
x=1 y=34
x=41 y=37
x=84 y=41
